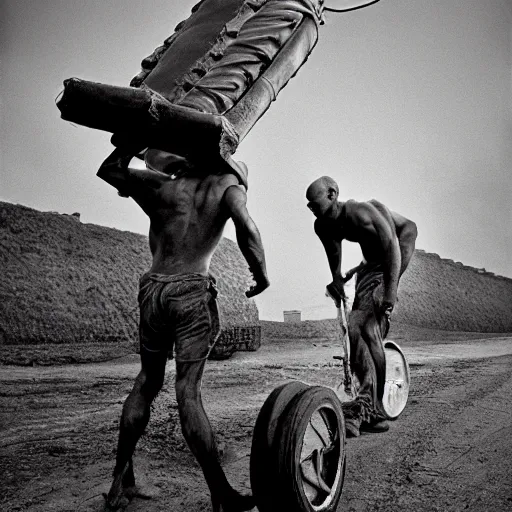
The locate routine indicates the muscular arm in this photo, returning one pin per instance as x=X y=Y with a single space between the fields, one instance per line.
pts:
x=132 y=178
x=140 y=177
x=143 y=185
x=349 y=274
x=407 y=233
x=333 y=251
x=247 y=237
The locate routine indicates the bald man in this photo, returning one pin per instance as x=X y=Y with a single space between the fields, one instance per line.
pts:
x=387 y=242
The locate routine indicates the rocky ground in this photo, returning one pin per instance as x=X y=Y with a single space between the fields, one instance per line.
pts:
x=450 y=450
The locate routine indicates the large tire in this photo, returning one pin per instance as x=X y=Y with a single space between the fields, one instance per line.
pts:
x=311 y=452
x=263 y=465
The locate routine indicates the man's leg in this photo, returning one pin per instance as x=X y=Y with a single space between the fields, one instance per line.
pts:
x=361 y=365
x=372 y=335
x=374 y=331
x=134 y=418
x=367 y=362
x=199 y=436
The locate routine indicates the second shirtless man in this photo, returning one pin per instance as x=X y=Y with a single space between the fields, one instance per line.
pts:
x=387 y=242
x=188 y=209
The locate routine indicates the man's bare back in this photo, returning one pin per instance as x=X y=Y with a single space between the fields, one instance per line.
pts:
x=358 y=225
x=187 y=220
x=188 y=214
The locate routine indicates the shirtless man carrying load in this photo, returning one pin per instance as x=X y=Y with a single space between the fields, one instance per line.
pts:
x=387 y=242
x=188 y=209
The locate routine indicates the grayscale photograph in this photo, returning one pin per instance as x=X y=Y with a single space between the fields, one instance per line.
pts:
x=256 y=255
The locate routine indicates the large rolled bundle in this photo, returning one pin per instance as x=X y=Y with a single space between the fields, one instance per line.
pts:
x=200 y=93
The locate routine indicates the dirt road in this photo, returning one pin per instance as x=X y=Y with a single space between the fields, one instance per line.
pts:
x=451 y=450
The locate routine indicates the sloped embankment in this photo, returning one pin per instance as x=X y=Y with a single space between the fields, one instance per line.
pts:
x=442 y=294
x=67 y=282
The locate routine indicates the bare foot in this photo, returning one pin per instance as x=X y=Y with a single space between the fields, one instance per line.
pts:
x=135 y=492
x=122 y=500
x=117 y=503
x=123 y=490
x=235 y=503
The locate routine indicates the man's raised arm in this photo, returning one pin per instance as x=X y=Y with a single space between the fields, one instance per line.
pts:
x=248 y=237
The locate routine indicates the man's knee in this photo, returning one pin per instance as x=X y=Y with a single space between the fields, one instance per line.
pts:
x=151 y=380
x=188 y=388
x=353 y=330
x=354 y=327
x=153 y=387
x=372 y=337
x=357 y=347
x=133 y=417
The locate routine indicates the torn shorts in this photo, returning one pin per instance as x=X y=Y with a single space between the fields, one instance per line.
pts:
x=178 y=313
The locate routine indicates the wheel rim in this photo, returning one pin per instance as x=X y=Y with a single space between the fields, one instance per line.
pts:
x=396 y=389
x=322 y=457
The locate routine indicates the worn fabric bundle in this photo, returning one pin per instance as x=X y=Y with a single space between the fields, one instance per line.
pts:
x=200 y=93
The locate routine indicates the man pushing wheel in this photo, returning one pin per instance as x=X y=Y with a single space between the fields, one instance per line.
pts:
x=387 y=242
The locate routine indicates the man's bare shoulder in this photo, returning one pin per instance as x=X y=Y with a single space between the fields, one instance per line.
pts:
x=232 y=195
x=377 y=204
x=359 y=212
x=228 y=186
x=210 y=187
x=398 y=219
x=402 y=222
x=353 y=207
x=221 y=182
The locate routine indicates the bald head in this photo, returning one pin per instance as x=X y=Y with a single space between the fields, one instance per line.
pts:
x=322 y=184
x=322 y=194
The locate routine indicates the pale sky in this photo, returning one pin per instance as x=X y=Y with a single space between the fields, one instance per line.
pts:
x=406 y=101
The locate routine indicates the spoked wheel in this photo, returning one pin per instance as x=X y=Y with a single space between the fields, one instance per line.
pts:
x=396 y=388
x=311 y=452
x=263 y=466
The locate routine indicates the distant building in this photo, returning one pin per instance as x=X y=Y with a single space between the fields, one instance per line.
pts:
x=291 y=316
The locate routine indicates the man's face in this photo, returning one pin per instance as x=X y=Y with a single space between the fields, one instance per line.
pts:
x=318 y=201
